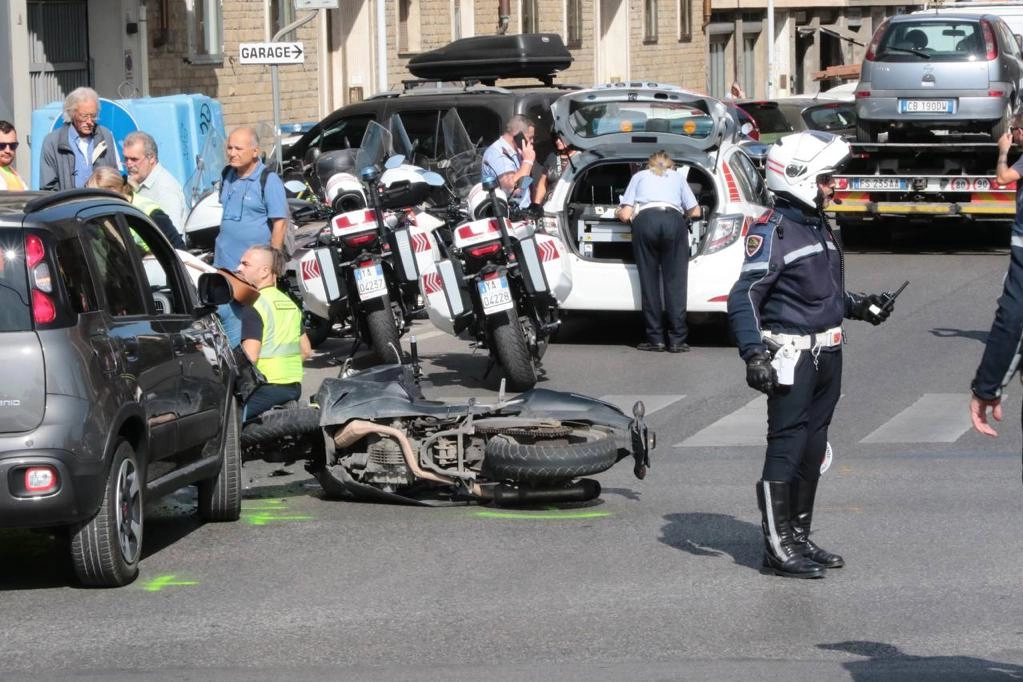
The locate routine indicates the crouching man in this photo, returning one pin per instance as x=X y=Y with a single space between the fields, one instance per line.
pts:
x=271 y=332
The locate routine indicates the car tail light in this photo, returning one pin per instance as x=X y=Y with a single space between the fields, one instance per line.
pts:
x=862 y=93
x=41 y=480
x=875 y=41
x=724 y=231
x=990 y=47
x=484 y=249
x=359 y=239
x=995 y=93
x=43 y=309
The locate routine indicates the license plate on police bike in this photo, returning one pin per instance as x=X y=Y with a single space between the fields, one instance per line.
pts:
x=370 y=282
x=495 y=295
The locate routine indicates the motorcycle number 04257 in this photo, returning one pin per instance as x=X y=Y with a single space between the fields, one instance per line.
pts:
x=370 y=282
x=495 y=295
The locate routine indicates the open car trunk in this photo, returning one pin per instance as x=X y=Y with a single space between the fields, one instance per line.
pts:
x=594 y=233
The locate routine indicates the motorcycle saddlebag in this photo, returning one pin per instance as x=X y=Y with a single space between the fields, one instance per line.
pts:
x=487 y=58
x=326 y=259
x=455 y=289
x=531 y=266
x=406 y=267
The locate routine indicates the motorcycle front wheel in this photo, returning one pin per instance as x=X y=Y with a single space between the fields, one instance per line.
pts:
x=512 y=350
x=517 y=457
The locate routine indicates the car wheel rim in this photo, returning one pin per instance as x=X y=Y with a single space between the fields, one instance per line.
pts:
x=129 y=511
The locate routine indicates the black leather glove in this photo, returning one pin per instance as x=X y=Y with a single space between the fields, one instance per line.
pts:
x=759 y=373
x=872 y=308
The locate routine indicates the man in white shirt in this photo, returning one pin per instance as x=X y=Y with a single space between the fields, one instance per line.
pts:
x=151 y=180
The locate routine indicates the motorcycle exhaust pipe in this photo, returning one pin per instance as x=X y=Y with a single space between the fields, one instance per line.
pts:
x=583 y=490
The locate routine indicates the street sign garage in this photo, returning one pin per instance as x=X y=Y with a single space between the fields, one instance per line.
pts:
x=271 y=53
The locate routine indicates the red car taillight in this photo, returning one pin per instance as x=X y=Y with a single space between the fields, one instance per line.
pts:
x=990 y=47
x=875 y=41
x=43 y=309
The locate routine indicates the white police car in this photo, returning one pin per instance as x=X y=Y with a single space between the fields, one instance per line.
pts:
x=616 y=128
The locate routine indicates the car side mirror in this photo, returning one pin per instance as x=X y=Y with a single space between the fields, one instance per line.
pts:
x=214 y=289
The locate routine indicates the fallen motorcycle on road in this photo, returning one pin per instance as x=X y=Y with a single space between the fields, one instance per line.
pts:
x=373 y=435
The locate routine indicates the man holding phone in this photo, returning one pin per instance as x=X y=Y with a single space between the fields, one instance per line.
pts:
x=512 y=156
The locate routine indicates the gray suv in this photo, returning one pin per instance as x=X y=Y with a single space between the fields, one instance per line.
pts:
x=118 y=384
x=940 y=71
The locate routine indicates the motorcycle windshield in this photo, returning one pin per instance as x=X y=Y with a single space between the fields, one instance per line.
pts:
x=374 y=148
x=464 y=160
x=208 y=165
x=400 y=140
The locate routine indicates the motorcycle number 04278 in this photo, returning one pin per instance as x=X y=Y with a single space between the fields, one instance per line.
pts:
x=495 y=295
x=370 y=282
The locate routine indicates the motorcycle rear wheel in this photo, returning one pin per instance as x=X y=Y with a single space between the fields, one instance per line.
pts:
x=273 y=424
x=583 y=452
x=512 y=350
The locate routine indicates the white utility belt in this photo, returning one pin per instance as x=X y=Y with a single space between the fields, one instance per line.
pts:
x=662 y=205
x=825 y=339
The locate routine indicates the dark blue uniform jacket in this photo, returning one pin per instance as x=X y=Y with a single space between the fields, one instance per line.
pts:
x=1001 y=353
x=792 y=280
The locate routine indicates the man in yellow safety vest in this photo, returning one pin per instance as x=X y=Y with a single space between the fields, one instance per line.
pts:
x=271 y=332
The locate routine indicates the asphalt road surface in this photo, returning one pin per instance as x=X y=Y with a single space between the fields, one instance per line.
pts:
x=657 y=580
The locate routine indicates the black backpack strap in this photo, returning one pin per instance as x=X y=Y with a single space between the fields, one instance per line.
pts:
x=223 y=179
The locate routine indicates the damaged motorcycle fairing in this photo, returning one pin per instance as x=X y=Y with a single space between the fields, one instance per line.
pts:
x=386 y=405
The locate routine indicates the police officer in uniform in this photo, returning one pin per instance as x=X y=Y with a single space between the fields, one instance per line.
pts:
x=271 y=332
x=658 y=202
x=786 y=311
x=1002 y=350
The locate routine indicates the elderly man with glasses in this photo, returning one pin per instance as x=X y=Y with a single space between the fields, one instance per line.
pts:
x=72 y=152
x=151 y=180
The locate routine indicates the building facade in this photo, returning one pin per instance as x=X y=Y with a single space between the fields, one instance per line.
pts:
x=138 y=48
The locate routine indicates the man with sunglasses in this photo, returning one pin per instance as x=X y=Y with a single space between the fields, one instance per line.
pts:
x=72 y=152
x=1002 y=349
x=9 y=178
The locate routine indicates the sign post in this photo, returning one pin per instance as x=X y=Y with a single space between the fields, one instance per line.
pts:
x=276 y=53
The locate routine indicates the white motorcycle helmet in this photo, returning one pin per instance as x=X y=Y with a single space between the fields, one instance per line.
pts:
x=795 y=162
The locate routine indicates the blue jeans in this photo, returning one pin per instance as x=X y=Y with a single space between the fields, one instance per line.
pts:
x=268 y=395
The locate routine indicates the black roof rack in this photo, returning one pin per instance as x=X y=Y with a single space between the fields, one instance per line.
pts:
x=486 y=59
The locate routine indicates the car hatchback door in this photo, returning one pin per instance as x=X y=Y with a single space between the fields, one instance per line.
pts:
x=630 y=113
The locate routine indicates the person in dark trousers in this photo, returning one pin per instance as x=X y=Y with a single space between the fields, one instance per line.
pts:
x=1002 y=349
x=72 y=152
x=786 y=311
x=659 y=203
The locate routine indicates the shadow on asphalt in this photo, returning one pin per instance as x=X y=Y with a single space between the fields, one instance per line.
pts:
x=626 y=329
x=715 y=535
x=948 y=333
x=34 y=559
x=886 y=662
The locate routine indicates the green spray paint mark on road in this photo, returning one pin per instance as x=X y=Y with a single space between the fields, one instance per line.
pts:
x=262 y=512
x=160 y=582
x=550 y=514
x=263 y=518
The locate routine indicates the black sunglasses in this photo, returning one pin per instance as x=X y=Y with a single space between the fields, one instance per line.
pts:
x=9 y=145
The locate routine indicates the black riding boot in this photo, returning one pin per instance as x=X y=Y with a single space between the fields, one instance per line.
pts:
x=781 y=554
x=803 y=494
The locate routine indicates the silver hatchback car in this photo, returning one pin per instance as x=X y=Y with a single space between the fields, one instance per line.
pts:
x=939 y=71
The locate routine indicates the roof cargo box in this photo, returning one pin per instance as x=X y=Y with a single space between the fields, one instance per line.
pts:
x=488 y=58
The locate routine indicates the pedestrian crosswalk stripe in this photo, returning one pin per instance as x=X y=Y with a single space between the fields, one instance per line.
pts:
x=653 y=403
x=745 y=426
x=933 y=418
